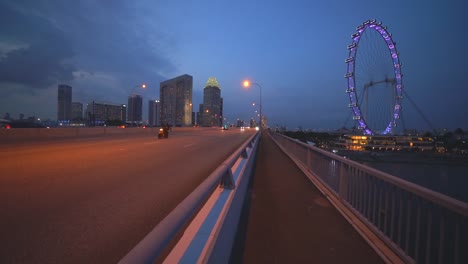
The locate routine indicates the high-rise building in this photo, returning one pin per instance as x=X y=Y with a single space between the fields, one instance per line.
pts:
x=135 y=108
x=77 y=111
x=212 y=114
x=154 y=111
x=98 y=113
x=64 y=103
x=176 y=101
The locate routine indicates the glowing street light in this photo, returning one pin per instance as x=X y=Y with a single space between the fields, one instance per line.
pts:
x=247 y=84
x=143 y=86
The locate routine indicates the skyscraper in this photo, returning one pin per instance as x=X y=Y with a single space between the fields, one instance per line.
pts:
x=64 y=103
x=212 y=114
x=135 y=108
x=154 y=111
x=176 y=101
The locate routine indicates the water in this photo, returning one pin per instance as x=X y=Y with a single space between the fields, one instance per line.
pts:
x=449 y=179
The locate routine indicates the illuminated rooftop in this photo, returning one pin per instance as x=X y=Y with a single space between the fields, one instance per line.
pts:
x=212 y=82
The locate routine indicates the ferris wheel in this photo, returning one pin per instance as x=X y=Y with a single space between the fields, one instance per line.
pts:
x=374 y=79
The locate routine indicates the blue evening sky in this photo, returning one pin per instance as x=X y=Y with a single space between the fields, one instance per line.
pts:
x=294 y=49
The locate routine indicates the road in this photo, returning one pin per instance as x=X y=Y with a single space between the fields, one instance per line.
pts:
x=92 y=200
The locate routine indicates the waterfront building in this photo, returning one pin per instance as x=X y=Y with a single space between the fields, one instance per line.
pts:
x=385 y=143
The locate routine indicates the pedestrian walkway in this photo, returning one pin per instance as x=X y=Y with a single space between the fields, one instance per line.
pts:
x=290 y=221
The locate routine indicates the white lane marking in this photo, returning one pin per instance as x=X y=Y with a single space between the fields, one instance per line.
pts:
x=186 y=146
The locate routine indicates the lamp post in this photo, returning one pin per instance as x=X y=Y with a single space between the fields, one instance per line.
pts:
x=247 y=84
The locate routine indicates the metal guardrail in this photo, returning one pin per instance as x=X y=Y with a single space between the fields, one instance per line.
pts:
x=151 y=247
x=420 y=225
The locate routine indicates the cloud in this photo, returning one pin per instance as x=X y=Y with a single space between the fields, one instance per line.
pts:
x=101 y=48
x=117 y=37
x=34 y=52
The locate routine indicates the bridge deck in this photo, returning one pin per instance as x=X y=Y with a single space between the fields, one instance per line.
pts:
x=290 y=221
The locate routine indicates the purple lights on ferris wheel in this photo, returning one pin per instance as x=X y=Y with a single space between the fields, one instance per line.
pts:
x=350 y=75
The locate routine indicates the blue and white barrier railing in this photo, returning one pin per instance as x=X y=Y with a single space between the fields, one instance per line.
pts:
x=402 y=221
x=210 y=214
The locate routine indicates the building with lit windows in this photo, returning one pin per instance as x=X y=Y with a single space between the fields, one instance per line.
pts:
x=176 y=101
x=64 y=103
x=212 y=103
x=154 y=112
x=385 y=143
x=135 y=108
x=98 y=113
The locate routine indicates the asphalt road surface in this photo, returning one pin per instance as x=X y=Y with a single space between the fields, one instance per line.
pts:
x=93 y=200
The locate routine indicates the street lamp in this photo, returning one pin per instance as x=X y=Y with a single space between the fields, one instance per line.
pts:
x=143 y=86
x=247 y=84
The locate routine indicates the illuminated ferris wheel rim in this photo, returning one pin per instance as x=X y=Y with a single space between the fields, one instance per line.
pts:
x=350 y=75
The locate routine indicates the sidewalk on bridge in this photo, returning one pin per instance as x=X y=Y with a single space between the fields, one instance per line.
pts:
x=291 y=221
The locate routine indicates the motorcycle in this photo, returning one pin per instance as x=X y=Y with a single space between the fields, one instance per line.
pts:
x=163 y=132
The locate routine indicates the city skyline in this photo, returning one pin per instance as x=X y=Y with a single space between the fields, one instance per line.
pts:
x=296 y=52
